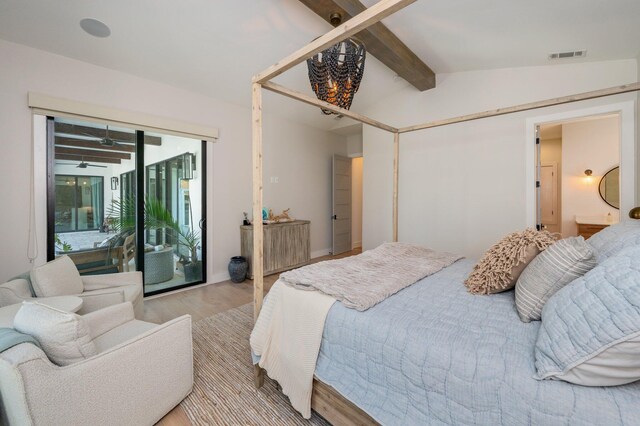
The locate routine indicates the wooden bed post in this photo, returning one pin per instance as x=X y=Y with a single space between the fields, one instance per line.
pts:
x=257 y=267
x=396 y=158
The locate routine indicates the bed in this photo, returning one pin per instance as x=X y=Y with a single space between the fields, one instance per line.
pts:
x=435 y=354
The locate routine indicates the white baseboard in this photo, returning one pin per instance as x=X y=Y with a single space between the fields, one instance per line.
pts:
x=320 y=253
x=219 y=277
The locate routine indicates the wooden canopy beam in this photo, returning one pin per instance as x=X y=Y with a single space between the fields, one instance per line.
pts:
x=396 y=169
x=325 y=105
x=375 y=13
x=616 y=90
x=379 y=42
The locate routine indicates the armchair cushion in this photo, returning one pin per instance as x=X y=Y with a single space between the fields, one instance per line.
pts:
x=64 y=336
x=59 y=277
x=105 y=320
x=14 y=291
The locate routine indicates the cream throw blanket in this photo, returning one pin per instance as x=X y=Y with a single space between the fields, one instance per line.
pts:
x=288 y=332
x=287 y=338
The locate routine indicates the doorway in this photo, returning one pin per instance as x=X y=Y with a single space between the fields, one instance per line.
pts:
x=347 y=204
x=121 y=199
x=575 y=158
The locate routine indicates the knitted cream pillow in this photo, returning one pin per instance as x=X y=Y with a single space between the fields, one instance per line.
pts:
x=502 y=264
x=59 y=277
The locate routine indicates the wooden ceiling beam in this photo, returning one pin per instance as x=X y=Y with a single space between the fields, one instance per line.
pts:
x=86 y=143
x=71 y=130
x=88 y=159
x=375 y=13
x=379 y=42
x=92 y=153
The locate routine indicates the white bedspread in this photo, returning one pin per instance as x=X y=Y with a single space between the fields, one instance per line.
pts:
x=287 y=338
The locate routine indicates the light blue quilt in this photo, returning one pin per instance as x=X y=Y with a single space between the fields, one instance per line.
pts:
x=435 y=354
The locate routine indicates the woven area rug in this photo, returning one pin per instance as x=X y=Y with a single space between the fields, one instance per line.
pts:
x=223 y=392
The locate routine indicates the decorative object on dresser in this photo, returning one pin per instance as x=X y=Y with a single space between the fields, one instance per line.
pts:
x=286 y=245
x=238 y=267
x=589 y=225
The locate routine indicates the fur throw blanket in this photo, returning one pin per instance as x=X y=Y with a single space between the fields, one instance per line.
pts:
x=367 y=279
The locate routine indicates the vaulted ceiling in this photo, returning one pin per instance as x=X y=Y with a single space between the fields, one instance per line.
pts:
x=214 y=47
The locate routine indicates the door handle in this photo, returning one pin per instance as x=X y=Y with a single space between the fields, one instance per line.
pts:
x=203 y=224
x=334 y=217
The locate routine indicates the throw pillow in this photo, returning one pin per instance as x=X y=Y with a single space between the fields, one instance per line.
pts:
x=557 y=266
x=63 y=336
x=59 y=277
x=590 y=332
x=502 y=264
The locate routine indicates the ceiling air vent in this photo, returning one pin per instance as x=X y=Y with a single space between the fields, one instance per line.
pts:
x=567 y=55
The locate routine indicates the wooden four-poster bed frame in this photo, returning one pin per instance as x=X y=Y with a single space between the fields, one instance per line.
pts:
x=326 y=401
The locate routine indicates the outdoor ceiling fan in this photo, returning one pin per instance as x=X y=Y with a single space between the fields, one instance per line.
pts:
x=82 y=165
x=107 y=141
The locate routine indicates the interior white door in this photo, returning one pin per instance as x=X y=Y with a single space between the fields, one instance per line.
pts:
x=341 y=204
x=549 y=211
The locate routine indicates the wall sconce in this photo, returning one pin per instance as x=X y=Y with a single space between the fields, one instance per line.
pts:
x=188 y=165
x=588 y=178
x=114 y=183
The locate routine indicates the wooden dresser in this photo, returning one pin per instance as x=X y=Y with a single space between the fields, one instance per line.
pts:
x=286 y=245
x=588 y=229
x=587 y=226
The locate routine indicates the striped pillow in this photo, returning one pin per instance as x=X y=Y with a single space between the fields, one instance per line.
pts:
x=557 y=266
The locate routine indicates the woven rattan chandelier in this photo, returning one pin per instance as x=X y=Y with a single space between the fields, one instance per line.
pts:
x=335 y=73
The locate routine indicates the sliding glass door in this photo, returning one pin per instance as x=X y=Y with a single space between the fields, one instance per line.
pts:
x=124 y=200
x=174 y=183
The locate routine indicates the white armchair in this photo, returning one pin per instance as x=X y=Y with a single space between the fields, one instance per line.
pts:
x=140 y=373
x=99 y=292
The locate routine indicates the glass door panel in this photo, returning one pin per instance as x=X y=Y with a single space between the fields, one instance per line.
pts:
x=173 y=255
x=96 y=197
x=93 y=183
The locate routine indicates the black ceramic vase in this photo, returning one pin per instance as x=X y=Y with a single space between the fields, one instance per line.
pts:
x=238 y=269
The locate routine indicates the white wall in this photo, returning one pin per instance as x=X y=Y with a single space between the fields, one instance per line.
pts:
x=595 y=145
x=356 y=202
x=229 y=180
x=462 y=187
x=354 y=145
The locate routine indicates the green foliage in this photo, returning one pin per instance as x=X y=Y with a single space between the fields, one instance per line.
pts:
x=61 y=245
x=156 y=216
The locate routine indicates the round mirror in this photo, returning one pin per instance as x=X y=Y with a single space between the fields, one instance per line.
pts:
x=610 y=187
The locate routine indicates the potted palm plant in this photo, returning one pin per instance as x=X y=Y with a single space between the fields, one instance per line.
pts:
x=157 y=216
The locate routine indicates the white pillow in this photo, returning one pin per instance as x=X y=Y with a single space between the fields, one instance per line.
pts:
x=63 y=336
x=59 y=277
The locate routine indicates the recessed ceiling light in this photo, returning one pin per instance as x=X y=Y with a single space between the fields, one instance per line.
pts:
x=95 y=27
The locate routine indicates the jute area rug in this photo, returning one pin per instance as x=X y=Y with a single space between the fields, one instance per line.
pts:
x=223 y=391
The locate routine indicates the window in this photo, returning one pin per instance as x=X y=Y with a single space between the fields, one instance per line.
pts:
x=79 y=203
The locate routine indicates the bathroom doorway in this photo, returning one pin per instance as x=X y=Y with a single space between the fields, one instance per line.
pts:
x=578 y=165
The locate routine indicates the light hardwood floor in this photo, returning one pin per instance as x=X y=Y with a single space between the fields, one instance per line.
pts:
x=203 y=302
